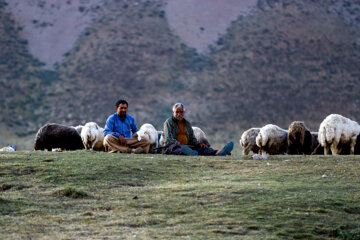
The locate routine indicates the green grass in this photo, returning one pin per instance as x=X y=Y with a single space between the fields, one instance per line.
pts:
x=92 y=195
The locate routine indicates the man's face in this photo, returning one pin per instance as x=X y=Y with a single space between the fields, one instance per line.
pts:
x=179 y=113
x=121 y=110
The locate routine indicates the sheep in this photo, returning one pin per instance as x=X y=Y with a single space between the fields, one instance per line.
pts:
x=53 y=135
x=93 y=136
x=149 y=132
x=272 y=140
x=300 y=140
x=336 y=129
x=201 y=136
x=345 y=148
x=248 y=141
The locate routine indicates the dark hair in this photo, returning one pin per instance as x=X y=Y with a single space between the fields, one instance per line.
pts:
x=121 y=101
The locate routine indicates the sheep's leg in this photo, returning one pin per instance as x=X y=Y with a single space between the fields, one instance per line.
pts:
x=86 y=145
x=334 y=148
x=93 y=144
x=326 y=149
x=352 y=145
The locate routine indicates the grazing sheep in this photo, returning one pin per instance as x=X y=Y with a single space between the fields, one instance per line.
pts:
x=345 y=148
x=248 y=141
x=53 y=135
x=300 y=140
x=149 y=132
x=93 y=136
x=272 y=140
x=336 y=129
x=201 y=136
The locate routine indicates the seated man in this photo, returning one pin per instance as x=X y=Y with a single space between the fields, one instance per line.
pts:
x=180 y=139
x=119 y=128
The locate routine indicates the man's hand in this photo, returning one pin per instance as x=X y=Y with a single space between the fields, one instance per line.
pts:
x=203 y=145
x=122 y=140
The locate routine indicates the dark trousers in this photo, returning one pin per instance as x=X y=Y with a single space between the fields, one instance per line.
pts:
x=176 y=150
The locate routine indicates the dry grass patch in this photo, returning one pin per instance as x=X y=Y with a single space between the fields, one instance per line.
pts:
x=86 y=195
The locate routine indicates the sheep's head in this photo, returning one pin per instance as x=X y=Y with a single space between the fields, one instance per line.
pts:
x=162 y=139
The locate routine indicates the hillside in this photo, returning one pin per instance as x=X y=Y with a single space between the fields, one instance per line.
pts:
x=22 y=81
x=282 y=63
x=287 y=60
x=293 y=62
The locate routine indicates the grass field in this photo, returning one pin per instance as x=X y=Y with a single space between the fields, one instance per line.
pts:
x=92 y=195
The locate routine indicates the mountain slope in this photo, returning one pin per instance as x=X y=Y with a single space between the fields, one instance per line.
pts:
x=287 y=60
x=22 y=81
x=293 y=62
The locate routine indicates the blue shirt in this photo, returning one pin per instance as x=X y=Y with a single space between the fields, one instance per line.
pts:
x=116 y=127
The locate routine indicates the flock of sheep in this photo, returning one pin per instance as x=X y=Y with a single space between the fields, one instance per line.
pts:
x=337 y=134
x=53 y=136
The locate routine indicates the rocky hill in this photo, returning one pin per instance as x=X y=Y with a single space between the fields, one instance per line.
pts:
x=284 y=61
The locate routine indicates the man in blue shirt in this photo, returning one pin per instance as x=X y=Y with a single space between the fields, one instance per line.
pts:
x=118 y=132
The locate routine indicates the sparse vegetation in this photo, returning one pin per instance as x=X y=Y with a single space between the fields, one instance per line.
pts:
x=103 y=195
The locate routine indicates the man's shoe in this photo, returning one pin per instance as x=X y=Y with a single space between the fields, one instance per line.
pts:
x=188 y=151
x=226 y=149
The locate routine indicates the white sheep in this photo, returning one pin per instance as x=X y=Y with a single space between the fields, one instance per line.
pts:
x=336 y=129
x=149 y=132
x=272 y=140
x=93 y=136
x=248 y=141
x=200 y=136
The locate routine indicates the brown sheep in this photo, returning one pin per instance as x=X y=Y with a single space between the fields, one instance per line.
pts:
x=248 y=141
x=300 y=139
x=53 y=135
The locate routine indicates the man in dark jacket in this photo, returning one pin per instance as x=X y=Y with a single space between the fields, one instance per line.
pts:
x=180 y=139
